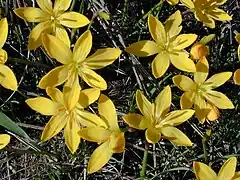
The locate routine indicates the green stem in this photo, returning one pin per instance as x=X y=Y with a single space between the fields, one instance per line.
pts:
x=81 y=6
x=204 y=149
x=158 y=5
x=23 y=61
x=144 y=162
x=72 y=5
x=90 y=24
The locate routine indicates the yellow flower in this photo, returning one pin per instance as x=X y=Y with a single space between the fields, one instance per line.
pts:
x=200 y=92
x=207 y=11
x=167 y=44
x=7 y=77
x=158 y=120
x=67 y=111
x=200 y=49
x=51 y=20
x=237 y=37
x=110 y=137
x=227 y=171
x=77 y=63
x=4 y=140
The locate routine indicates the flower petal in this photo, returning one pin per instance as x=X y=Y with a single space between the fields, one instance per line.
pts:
x=152 y=135
x=4 y=31
x=199 y=50
x=136 y=121
x=7 y=78
x=181 y=61
x=55 y=94
x=3 y=56
x=45 y=5
x=57 y=49
x=157 y=30
x=183 y=82
x=176 y=136
x=32 y=14
x=95 y=134
x=188 y=3
x=218 y=99
x=35 y=40
x=61 y=33
x=72 y=139
x=73 y=20
x=201 y=73
x=173 y=24
x=237 y=37
x=183 y=41
x=236 y=176
x=4 y=140
x=144 y=105
x=236 y=77
x=36 y=104
x=207 y=21
x=227 y=170
x=89 y=119
x=177 y=117
x=143 y=48
x=102 y=58
x=217 y=80
x=82 y=47
x=160 y=64
x=54 y=77
x=220 y=15
x=88 y=96
x=71 y=91
x=200 y=107
x=99 y=157
x=186 y=100
x=203 y=172
x=93 y=79
x=55 y=125
x=163 y=103
x=108 y=112
x=214 y=112
x=61 y=5
x=117 y=142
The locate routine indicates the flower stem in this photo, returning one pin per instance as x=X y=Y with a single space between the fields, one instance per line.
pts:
x=144 y=162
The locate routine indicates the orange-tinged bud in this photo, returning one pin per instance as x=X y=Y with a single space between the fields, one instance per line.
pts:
x=199 y=50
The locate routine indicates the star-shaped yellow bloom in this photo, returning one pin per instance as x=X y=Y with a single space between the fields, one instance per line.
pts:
x=77 y=63
x=4 y=140
x=110 y=137
x=227 y=171
x=51 y=20
x=158 y=120
x=7 y=77
x=200 y=92
x=67 y=111
x=207 y=11
x=200 y=49
x=167 y=44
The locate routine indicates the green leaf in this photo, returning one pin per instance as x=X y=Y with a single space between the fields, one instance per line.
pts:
x=207 y=39
x=12 y=126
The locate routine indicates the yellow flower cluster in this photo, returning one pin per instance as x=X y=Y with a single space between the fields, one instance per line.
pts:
x=67 y=108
